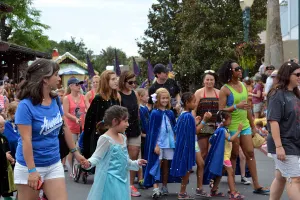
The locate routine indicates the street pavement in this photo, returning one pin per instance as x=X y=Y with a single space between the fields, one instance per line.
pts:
x=265 y=168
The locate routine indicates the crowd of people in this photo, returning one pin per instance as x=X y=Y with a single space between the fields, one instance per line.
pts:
x=155 y=134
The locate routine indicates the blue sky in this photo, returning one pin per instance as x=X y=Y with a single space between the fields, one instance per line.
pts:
x=100 y=23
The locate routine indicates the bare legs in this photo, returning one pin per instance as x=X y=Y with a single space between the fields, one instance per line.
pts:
x=133 y=152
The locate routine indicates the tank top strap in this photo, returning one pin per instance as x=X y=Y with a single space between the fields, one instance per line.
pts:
x=204 y=94
x=216 y=94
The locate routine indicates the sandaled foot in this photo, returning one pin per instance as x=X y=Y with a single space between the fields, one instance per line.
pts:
x=262 y=191
x=185 y=196
x=216 y=193
x=236 y=196
x=201 y=193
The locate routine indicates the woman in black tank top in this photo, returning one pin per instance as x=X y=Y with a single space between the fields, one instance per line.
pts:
x=127 y=83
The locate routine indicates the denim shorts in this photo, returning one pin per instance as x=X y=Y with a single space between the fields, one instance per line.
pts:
x=51 y=172
x=246 y=131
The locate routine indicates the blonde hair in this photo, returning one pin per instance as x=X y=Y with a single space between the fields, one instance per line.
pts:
x=12 y=107
x=140 y=92
x=104 y=90
x=96 y=76
x=159 y=93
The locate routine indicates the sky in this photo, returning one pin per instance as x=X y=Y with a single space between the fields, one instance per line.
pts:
x=100 y=23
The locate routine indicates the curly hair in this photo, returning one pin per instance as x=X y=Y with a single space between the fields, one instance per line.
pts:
x=225 y=71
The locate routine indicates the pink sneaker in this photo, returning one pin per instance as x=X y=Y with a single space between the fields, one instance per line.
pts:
x=227 y=163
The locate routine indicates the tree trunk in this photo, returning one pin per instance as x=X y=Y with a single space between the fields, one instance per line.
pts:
x=267 y=57
x=276 y=45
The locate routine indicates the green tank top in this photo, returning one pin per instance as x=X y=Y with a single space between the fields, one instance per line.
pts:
x=239 y=115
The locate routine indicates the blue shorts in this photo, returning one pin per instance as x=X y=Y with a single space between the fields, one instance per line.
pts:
x=246 y=131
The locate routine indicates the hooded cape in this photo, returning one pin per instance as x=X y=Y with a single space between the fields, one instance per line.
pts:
x=184 y=156
x=214 y=160
x=144 y=120
x=152 y=173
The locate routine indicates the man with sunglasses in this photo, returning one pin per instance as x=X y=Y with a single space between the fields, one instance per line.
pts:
x=163 y=81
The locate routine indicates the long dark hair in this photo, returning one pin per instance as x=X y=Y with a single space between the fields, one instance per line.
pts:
x=114 y=112
x=283 y=78
x=225 y=72
x=32 y=86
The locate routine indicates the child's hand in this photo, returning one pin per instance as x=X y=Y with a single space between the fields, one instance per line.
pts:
x=86 y=164
x=240 y=128
x=10 y=158
x=207 y=116
x=142 y=162
x=198 y=120
x=157 y=150
x=227 y=134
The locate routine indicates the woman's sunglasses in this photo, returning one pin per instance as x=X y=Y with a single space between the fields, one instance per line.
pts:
x=296 y=74
x=131 y=82
x=209 y=71
x=239 y=68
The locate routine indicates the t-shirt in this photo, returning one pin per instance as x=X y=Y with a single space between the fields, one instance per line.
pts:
x=170 y=85
x=258 y=87
x=46 y=122
x=284 y=107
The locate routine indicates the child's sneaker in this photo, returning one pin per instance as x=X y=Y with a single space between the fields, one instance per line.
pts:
x=156 y=193
x=134 y=192
x=245 y=181
x=185 y=196
x=164 y=190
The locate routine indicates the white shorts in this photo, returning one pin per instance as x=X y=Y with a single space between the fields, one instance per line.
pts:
x=51 y=172
x=290 y=167
x=167 y=154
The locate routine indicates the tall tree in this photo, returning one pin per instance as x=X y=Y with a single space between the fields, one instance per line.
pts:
x=162 y=35
x=211 y=29
x=107 y=57
x=23 y=26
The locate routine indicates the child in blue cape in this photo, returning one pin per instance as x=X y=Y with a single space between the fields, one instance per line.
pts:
x=160 y=143
x=219 y=157
x=111 y=159
x=187 y=145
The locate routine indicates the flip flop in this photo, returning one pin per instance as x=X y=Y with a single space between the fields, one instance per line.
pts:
x=262 y=191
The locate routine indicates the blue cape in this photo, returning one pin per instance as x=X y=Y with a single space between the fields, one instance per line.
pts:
x=144 y=119
x=184 y=156
x=153 y=173
x=12 y=136
x=214 y=160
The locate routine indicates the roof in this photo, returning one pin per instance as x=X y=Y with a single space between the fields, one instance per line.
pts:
x=60 y=59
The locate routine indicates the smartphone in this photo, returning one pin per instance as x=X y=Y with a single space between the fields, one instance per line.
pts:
x=40 y=184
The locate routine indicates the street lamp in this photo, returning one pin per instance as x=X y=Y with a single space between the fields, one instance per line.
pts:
x=246 y=5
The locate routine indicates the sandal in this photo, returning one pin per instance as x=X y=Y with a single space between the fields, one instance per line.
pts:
x=262 y=191
x=185 y=196
x=236 y=196
x=211 y=183
x=216 y=194
x=201 y=193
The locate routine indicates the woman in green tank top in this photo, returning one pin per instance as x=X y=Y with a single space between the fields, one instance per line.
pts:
x=233 y=98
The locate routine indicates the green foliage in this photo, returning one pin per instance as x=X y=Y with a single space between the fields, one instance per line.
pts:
x=107 y=57
x=23 y=26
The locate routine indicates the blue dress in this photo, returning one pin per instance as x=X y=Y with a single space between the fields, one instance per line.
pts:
x=112 y=163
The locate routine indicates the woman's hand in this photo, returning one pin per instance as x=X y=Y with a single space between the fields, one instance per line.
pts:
x=243 y=105
x=157 y=150
x=33 y=179
x=280 y=152
x=10 y=158
x=77 y=120
x=86 y=164
x=207 y=116
x=79 y=157
x=142 y=162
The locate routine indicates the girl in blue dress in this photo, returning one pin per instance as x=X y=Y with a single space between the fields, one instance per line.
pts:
x=111 y=158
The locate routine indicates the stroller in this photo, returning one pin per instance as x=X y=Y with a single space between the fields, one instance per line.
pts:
x=78 y=171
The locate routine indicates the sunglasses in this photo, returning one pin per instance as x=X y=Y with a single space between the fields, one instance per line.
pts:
x=131 y=82
x=270 y=68
x=239 y=68
x=209 y=71
x=296 y=74
x=77 y=84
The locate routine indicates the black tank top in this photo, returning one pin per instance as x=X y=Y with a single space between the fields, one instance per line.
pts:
x=130 y=102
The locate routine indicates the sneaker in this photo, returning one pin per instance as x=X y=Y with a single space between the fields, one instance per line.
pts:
x=185 y=196
x=164 y=190
x=134 y=192
x=156 y=193
x=141 y=184
x=245 y=181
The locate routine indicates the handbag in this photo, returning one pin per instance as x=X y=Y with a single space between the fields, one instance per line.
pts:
x=258 y=140
x=63 y=147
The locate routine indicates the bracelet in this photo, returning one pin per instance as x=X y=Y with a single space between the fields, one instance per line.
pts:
x=32 y=170
x=203 y=122
x=229 y=137
x=234 y=106
x=278 y=146
x=73 y=150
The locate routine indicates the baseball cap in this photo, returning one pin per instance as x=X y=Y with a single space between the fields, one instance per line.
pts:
x=159 y=68
x=74 y=81
x=274 y=73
